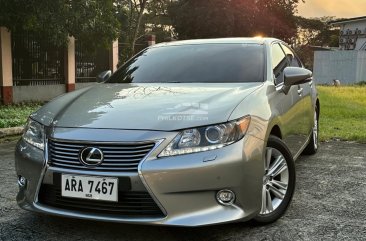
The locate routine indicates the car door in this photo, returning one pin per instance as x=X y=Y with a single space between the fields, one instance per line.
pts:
x=305 y=91
x=290 y=105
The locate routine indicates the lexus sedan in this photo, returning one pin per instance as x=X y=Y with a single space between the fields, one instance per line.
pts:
x=186 y=133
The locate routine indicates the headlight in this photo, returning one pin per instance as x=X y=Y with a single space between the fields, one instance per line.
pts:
x=34 y=134
x=207 y=138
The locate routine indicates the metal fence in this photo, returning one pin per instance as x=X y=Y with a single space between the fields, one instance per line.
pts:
x=36 y=61
x=89 y=62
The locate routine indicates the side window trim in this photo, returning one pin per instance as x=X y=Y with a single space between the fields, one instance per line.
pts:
x=274 y=76
x=284 y=45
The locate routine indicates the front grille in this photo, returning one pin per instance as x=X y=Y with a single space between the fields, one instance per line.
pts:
x=130 y=204
x=124 y=157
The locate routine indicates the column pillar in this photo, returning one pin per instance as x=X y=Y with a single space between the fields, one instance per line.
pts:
x=113 y=56
x=151 y=39
x=70 y=75
x=6 y=68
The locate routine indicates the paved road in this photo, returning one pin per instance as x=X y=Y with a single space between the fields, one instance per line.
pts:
x=329 y=204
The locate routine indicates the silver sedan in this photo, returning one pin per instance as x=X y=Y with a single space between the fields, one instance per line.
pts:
x=186 y=133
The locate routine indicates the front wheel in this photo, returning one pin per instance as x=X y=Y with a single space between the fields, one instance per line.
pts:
x=278 y=181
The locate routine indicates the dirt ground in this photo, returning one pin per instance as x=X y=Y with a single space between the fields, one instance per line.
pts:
x=329 y=204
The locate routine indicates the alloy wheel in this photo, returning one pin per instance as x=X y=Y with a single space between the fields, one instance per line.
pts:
x=275 y=181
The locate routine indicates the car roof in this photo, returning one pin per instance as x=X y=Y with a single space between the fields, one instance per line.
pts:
x=254 y=40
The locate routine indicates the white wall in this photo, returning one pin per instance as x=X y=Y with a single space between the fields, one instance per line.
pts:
x=361 y=66
x=37 y=92
x=347 y=66
x=42 y=92
x=83 y=85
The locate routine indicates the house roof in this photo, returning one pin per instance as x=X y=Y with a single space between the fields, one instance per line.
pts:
x=348 y=20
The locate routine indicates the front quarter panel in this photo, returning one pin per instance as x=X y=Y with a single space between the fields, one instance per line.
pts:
x=186 y=185
x=262 y=113
x=269 y=107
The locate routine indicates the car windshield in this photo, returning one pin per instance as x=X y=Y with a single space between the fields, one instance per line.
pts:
x=196 y=63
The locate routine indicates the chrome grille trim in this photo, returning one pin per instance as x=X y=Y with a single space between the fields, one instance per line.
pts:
x=118 y=156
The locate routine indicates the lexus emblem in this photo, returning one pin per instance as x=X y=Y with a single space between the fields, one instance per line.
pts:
x=91 y=156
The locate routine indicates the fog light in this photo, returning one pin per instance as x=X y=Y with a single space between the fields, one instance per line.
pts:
x=225 y=197
x=22 y=181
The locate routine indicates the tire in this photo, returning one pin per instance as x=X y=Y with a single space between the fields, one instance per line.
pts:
x=280 y=157
x=313 y=144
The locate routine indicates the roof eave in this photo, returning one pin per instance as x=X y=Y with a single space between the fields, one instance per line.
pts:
x=344 y=21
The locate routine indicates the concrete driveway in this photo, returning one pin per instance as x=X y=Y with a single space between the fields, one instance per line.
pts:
x=329 y=204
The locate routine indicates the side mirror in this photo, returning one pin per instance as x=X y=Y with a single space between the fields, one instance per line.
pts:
x=296 y=76
x=104 y=76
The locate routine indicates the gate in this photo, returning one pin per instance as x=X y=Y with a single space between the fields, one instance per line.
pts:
x=36 y=61
x=89 y=62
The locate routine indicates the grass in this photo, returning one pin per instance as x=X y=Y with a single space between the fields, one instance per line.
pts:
x=16 y=115
x=343 y=113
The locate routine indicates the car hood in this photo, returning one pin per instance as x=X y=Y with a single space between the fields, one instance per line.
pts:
x=164 y=107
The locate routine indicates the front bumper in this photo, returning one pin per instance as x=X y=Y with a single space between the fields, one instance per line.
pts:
x=184 y=187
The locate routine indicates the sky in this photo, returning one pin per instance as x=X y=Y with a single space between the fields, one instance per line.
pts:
x=338 y=8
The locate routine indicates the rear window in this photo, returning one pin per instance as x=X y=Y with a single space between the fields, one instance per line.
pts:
x=200 y=63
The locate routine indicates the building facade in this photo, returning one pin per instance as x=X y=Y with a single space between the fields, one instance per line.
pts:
x=352 y=33
x=348 y=64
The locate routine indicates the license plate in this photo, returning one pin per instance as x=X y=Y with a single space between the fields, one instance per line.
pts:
x=90 y=187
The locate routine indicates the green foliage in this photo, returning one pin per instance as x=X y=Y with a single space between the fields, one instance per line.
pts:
x=94 y=21
x=314 y=32
x=317 y=32
x=276 y=18
x=233 y=18
x=140 y=18
x=130 y=14
x=16 y=115
x=84 y=19
x=157 y=20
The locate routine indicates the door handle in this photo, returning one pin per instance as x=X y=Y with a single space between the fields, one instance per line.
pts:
x=300 y=90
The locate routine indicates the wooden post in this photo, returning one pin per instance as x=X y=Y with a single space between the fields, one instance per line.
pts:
x=6 y=68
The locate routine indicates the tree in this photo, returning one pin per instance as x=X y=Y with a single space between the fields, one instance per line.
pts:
x=94 y=21
x=276 y=18
x=139 y=8
x=317 y=32
x=157 y=20
x=210 y=18
x=139 y=18
x=234 y=18
x=314 y=32
x=131 y=13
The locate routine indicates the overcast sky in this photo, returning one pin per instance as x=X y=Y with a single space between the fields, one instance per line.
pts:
x=338 y=8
